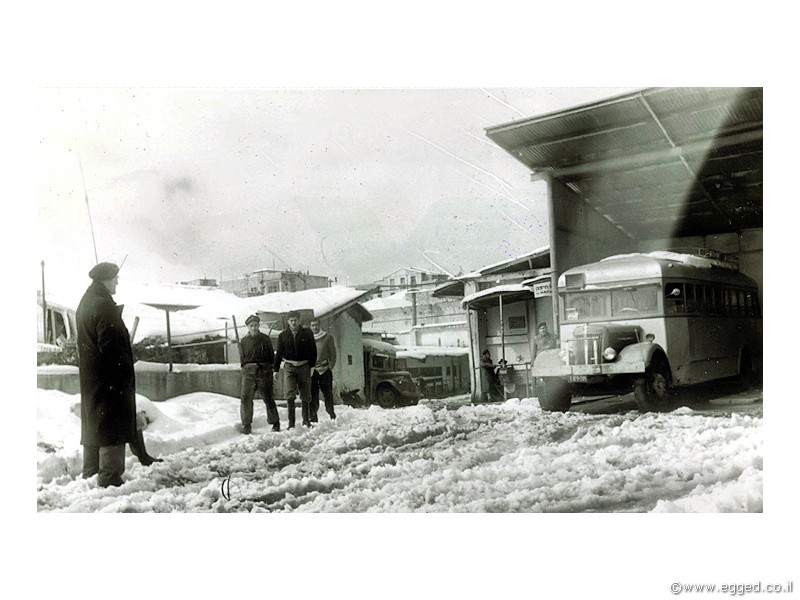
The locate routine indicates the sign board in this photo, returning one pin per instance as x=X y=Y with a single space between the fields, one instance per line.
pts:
x=542 y=289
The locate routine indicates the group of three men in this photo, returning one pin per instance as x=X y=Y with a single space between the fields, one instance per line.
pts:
x=308 y=357
x=108 y=384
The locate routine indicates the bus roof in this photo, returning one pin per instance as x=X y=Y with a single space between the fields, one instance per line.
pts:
x=642 y=267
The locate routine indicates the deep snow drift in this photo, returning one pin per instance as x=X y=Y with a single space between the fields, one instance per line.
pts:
x=440 y=456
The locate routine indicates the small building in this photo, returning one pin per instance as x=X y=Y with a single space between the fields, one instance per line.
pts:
x=407 y=278
x=337 y=307
x=504 y=303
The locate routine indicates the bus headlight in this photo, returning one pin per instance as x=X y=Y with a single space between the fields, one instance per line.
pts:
x=609 y=354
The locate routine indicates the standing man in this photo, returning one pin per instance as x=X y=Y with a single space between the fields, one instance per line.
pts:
x=322 y=373
x=297 y=349
x=544 y=340
x=256 y=358
x=107 y=380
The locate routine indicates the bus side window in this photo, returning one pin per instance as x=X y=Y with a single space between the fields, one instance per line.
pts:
x=717 y=304
x=673 y=299
x=692 y=305
x=742 y=307
x=751 y=306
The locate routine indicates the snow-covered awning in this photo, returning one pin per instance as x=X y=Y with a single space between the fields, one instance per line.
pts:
x=423 y=352
x=511 y=292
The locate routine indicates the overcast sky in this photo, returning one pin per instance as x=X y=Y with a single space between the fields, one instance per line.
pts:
x=349 y=183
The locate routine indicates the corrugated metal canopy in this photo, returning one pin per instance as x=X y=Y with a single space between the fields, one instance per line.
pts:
x=657 y=163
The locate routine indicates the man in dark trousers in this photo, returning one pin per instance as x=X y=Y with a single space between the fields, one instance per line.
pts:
x=298 y=350
x=256 y=358
x=107 y=381
x=322 y=373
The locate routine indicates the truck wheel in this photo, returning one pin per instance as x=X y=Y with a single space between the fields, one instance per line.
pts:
x=556 y=395
x=386 y=397
x=652 y=392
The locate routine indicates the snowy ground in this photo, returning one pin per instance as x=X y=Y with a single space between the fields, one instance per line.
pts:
x=440 y=456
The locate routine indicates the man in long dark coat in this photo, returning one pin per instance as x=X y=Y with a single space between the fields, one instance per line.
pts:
x=108 y=388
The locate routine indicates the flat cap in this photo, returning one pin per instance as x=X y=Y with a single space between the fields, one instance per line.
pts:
x=251 y=319
x=103 y=271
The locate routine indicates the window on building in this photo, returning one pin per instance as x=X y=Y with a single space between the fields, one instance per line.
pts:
x=413 y=280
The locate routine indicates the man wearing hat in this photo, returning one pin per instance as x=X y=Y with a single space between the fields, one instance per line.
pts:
x=298 y=350
x=256 y=358
x=544 y=340
x=107 y=381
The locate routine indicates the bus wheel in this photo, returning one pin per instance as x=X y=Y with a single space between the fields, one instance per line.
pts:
x=386 y=397
x=555 y=395
x=652 y=392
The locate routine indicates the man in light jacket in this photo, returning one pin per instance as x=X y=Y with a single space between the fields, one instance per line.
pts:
x=322 y=373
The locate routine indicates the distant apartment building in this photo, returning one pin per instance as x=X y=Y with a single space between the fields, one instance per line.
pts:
x=404 y=279
x=202 y=282
x=267 y=281
x=405 y=312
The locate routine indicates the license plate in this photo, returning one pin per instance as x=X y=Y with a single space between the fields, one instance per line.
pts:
x=578 y=379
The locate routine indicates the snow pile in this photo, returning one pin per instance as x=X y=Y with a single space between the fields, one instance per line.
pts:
x=440 y=456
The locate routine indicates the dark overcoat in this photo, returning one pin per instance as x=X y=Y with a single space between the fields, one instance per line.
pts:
x=296 y=347
x=105 y=360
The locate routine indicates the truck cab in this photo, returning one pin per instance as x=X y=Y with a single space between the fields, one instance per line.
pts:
x=385 y=385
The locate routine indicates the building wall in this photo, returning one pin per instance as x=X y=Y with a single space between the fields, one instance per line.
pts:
x=349 y=371
x=267 y=282
x=430 y=312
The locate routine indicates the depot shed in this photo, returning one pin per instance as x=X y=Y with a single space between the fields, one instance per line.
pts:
x=657 y=169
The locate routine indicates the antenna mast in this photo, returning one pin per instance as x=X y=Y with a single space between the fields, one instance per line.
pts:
x=86 y=197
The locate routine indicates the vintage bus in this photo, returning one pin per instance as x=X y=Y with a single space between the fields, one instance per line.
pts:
x=648 y=323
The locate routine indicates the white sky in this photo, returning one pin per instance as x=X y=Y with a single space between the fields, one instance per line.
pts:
x=346 y=183
x=421 y=44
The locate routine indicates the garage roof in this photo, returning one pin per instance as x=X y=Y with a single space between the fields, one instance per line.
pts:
x=657 y=163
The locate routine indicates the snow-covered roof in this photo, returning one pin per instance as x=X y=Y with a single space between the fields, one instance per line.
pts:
x=214 y=308
x=508 y=288
x=507 y=262
x=323 y=301
x=178 y=295
x=422 y=352
x=692 y=260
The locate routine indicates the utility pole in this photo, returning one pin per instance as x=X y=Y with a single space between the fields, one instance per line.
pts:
x=44 y=308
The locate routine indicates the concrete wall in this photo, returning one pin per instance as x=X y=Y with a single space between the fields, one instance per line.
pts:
x=157 y=385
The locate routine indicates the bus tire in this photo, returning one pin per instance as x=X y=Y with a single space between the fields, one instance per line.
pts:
x=556 y=395
x=386 y=396
x=652 y=392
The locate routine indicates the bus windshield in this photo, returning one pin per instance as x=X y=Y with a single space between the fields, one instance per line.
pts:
x=628 y=302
